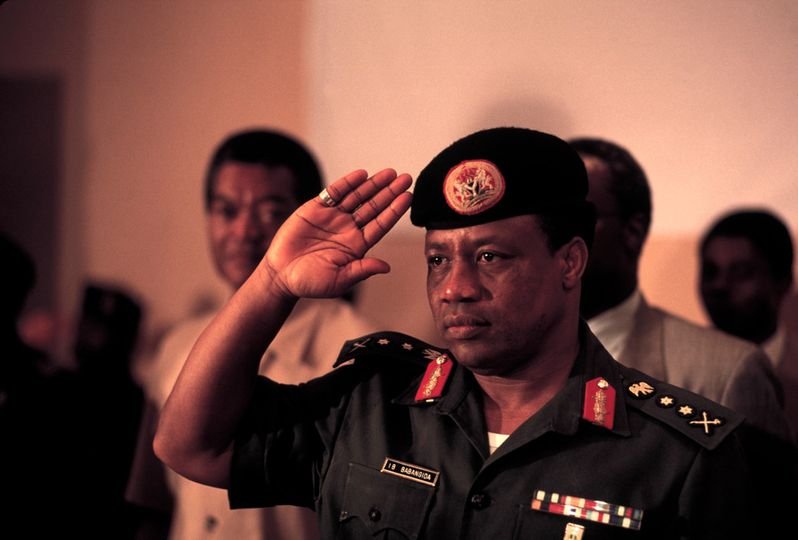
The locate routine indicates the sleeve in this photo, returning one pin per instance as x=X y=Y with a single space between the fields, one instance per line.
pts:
x=754 y=391
x=286 y=439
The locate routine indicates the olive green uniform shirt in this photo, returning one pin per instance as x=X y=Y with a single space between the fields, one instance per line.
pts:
x=377 y=463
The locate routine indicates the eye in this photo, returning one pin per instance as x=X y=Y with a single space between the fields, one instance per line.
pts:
x=487 y=256
x=434 y=261
x=227 y=212
x=270 y=214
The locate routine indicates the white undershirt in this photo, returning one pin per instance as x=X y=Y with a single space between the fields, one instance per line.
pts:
x=495 y=440
x=612 y=328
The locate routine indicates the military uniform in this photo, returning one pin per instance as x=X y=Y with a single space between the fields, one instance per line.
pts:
x=389 y=446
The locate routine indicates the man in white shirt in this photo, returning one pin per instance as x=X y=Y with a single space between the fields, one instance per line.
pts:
x=707 y=362
x=255 y=180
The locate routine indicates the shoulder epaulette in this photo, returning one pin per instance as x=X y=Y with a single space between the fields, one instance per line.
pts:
x=394 y=345
x=701 y=419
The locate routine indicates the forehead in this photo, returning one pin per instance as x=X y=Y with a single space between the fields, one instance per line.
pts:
x=235 y=180
x=518 y=230
x=599 y=181
x=730 y=249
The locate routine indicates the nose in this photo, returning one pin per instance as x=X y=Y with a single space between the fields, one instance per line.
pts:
x=716 y=286
x=462 y=283
x=247 y=226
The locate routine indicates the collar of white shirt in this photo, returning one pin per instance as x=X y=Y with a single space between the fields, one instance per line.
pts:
x=612 y=327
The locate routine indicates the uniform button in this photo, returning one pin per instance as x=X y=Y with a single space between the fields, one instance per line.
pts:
x=375 y=514
x=480 y=500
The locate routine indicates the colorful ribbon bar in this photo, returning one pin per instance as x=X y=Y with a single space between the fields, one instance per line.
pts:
x=588 y=509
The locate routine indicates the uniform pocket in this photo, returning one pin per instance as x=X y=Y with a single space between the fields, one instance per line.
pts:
x=379 y=505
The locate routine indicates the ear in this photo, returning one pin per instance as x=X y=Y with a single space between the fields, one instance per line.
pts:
x=573 y=260
x=635 y=231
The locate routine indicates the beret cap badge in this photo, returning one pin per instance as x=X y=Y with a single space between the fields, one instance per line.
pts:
x=473 y=186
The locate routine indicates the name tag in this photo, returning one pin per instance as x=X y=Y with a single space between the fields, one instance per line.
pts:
x=409 y=471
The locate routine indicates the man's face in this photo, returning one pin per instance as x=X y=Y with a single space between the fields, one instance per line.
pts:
x=495 y=290
x=737 y=288
x=249 y=204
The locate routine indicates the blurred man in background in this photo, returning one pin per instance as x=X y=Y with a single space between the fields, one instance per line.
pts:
x=724 y=369
x=255 y=180
x=746 y=274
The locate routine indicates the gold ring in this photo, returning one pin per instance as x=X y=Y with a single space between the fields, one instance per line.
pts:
x=326 y=200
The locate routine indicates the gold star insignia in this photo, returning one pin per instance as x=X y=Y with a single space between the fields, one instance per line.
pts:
x=383 y=341
x=407 y=346
x=686 y=411
x=666 y=401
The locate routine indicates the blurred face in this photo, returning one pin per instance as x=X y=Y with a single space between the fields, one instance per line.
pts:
x=607 y=277
x=739 y=294
x=249 y=204
x=495 y=292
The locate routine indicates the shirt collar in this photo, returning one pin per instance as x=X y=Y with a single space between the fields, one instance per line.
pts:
x=613 y=327
x=562 y=414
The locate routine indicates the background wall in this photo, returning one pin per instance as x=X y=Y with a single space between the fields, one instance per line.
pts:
x=703 y=93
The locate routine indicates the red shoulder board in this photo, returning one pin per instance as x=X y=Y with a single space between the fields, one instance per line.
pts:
x=599 y=405
x=434 y=380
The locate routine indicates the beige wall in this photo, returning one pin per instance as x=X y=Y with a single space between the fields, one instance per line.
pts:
x=168 y=80
x=152 y=87
x=702 y=92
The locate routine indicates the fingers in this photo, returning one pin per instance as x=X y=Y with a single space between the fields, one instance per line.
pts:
x=376 y=202
x=362 y=269
x=362 y=192
x=389 y=206
x=339 y=189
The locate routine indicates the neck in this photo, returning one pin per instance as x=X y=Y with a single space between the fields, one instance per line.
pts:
x=510 y=400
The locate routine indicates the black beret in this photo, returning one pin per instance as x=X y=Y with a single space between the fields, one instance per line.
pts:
x=495 y=174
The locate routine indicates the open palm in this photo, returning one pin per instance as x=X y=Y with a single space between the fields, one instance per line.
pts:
x=320 y=251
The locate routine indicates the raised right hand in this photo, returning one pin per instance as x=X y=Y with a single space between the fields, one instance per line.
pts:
x=319 y=251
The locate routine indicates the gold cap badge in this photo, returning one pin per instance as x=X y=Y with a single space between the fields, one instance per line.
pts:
x=473 y=187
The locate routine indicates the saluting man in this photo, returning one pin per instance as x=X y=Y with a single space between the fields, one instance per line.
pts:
x=521 y=426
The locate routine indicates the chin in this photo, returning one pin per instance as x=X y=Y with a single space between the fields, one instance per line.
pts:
x=471 y=355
